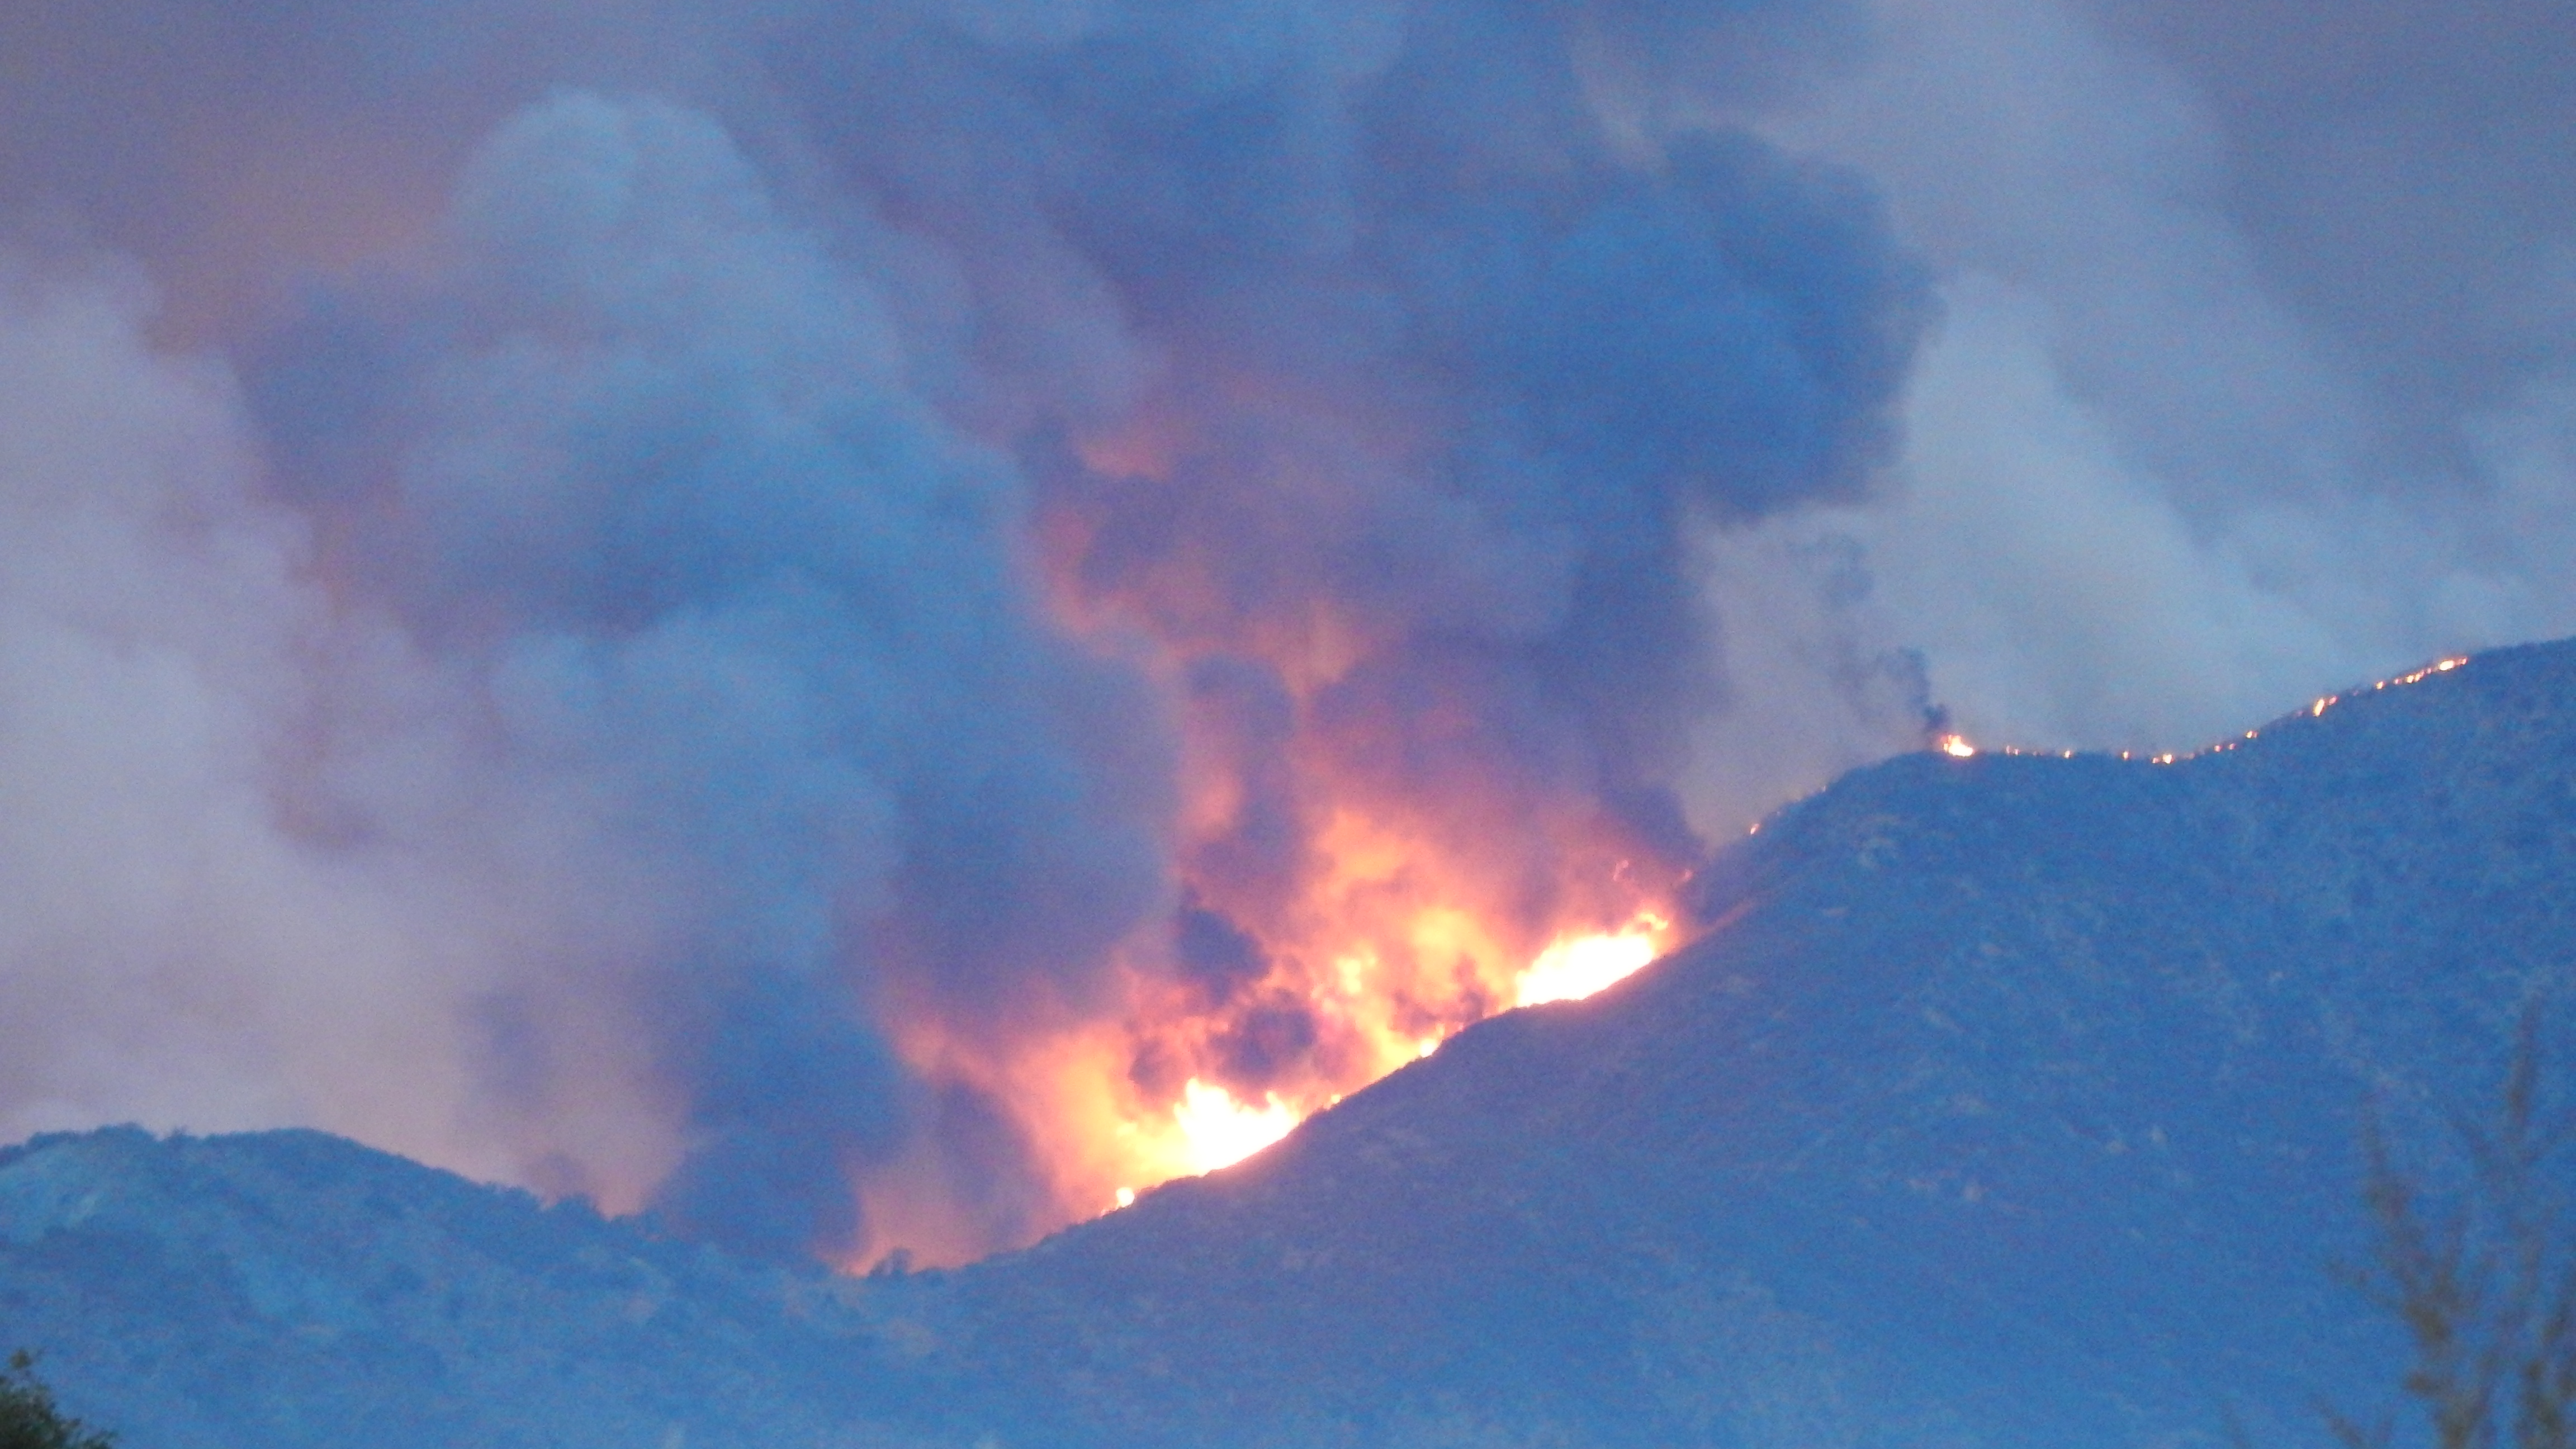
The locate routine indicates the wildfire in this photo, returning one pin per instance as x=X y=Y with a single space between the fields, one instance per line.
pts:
x=1216 y=1128
x=1359 y=879
x=1222 y=1131
x=2315 y=709
x=1412 y=973
x=2439 y=666
x=1397 y=940
x=1573 y=969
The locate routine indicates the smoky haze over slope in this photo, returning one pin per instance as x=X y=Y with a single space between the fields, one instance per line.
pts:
x=753 y=574
x=2015 y=1105
x=2253 y=374
x=803 y=615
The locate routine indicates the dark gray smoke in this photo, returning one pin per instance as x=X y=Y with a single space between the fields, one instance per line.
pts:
x=629 y=595
x=626 y=479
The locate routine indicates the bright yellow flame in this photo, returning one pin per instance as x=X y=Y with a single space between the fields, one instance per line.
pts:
x=1126 y=1197
x=1957 y=747
x=1221 y=1131
x=1577 y=966
x=2439 y=666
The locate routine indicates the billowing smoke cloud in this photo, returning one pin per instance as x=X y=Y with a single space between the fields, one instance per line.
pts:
x=654 y=486
x=2403 y=181
x=2253 y=375
x=795 y=617
x=827 y=619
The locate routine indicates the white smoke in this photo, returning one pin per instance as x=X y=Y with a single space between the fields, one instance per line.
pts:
x=2152 y=495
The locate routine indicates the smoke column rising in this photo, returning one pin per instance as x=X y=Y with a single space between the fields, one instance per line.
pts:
x=794 y=616
x=812 y=617
x=2253 y=377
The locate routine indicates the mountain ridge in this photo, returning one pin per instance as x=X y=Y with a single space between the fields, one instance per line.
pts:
x=1918 y=850
x=2013 y=1103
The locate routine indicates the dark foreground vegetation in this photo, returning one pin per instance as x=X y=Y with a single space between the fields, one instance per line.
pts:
x=29 y=1418
x=2479 y=1264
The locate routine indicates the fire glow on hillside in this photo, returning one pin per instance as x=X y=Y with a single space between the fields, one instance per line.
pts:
x=1110 y=1121
x=888 y=624
x=1363 y=872
x=1400 y=922
x=1958 y=747
x=1216 y=1129
x=1394 y=918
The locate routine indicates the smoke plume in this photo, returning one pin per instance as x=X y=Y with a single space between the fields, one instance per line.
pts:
x=797 y=617
x=859 y=626
x=2253 y=378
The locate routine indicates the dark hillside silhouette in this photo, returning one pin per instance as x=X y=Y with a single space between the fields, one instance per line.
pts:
x=2015 y=1103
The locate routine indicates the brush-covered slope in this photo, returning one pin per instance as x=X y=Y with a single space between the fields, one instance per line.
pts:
x=279 y=1290
x=2012 y=1104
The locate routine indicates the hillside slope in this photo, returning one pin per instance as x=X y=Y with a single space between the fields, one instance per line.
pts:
x=2012 y=1104
x=295 y=1289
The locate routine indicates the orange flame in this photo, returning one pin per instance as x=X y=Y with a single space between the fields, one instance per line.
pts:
x=1221 y=1131
x=1392 y=947
x=1400 y=921
x=1578 y=966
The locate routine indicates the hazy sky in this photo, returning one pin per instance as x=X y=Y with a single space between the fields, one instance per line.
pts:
x=672 y=600
x=2253 y=373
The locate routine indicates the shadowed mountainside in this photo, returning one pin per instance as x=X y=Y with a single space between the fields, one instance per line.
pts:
x=2012 y=1103
x=293 y=1288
